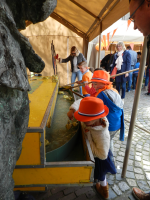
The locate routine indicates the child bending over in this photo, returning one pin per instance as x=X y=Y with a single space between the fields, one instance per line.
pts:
x=93 y=112
x=111 y=99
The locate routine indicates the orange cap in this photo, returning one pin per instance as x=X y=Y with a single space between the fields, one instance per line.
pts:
x=91 y=108
x=101 y=76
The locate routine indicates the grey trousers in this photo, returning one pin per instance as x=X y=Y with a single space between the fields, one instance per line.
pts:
x=112 y=135
x=14 y=116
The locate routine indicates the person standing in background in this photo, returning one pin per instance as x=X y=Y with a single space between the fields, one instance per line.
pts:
x=133 y=62
x=135 y=73
x=146 y=78
x=122 y=61
x=139 y=54
x=148 y=68
x=75 y=58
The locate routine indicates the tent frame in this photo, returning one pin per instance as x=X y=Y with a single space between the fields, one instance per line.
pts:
x=97 y=22
x=67 y=24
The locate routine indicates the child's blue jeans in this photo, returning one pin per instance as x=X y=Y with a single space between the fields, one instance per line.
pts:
x=118 y=84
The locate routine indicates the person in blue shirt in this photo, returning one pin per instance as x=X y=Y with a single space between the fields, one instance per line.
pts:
x=133 y=63
x=146 y=78
x=135 y=73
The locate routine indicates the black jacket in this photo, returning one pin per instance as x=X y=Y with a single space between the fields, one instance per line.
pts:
x=80 y=58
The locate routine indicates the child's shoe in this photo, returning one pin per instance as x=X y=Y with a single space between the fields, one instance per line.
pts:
x=146 y=88
x=122 y=101
x=103 y=190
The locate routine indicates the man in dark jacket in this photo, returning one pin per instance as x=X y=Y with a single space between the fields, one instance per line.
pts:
x=105 y=62
x=148 y=63
x=75 y=58
x=140 y=15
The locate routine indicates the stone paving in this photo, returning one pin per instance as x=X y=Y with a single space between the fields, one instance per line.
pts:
x=138 y=170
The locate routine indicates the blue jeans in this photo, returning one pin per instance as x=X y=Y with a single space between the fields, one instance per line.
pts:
x=118 y=84
x=147 y=78
x=73 y=78
x=135 y=76
x=130 y=80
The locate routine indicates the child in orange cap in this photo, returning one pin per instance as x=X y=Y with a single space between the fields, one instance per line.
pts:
x=92 y=91
x=93 y=112
x=111 y=98
x=86 y=76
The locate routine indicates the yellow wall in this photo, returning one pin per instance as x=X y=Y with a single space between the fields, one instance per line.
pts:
x=41 y=35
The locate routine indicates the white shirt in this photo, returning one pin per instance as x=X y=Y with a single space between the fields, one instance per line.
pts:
x=75 y=64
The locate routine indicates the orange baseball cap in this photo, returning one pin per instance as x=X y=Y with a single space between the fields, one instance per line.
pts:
x=91 y=108
x=101 y=76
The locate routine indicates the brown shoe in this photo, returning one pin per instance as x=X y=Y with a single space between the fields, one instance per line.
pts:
x=140 y=195
x=103 y=190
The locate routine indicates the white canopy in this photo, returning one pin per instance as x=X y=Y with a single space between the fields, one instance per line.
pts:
x=124 y=34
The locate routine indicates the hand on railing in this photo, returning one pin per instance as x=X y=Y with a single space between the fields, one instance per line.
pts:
x=78 y=82
x=126 y=75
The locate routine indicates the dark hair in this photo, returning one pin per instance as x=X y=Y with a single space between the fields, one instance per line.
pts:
x=91 y=69
x=138 y=59
x=73 y=48
x=129 y=47
x=99 y=69
x=139 y=53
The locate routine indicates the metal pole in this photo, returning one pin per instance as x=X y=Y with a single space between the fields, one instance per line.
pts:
x=77 y=94
x=135 y=106
x=85 y=46
x=99 y=55
x=120 y=74
x=133 y=70
x=67 y=62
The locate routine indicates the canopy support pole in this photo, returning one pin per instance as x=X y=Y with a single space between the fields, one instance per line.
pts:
x=85 y=46
x=67 y=62
x=135 y=106
x=99 y=53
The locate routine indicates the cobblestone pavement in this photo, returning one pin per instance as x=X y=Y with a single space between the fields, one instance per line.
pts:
x=138 y=170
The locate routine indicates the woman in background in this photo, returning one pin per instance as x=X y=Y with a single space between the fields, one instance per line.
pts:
x=75 y=58
x=122 y=61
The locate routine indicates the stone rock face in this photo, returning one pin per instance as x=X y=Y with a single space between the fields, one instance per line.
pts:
x=34 y=11
x=14 y=116
x=16 y=54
